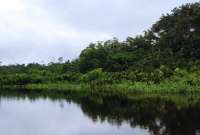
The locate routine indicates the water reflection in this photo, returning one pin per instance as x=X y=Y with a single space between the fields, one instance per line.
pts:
x=97 y=114
x=162 y=116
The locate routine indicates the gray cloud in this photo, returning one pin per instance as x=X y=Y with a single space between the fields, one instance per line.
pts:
x=37 y=30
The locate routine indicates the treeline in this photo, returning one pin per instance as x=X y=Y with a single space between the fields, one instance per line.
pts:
x=170 y=48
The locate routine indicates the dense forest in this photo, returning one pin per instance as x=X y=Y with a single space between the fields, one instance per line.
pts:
x=167 y=53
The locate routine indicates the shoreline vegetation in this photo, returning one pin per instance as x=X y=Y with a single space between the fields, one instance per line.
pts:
x=123 y=88
x=166 y=59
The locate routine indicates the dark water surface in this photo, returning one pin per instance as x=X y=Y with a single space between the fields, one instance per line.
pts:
x=33 y=114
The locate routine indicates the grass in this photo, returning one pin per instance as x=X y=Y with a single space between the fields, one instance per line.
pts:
x=165 y=87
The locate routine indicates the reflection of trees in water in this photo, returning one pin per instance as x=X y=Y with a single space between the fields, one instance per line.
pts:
x=162 y=116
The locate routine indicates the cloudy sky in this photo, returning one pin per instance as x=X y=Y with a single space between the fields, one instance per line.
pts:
x=41 y=30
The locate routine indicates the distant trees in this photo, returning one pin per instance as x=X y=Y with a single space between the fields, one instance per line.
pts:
x=180 y=31
x=173 y=42
x=94 y=56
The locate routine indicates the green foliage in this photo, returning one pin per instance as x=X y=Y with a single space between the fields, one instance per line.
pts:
x=165 y=58
x=92 y=57
x=94 y=75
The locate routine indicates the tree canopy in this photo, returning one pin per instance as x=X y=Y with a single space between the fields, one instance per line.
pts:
x=172 y=43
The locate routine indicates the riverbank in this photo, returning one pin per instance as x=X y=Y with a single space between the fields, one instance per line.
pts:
x=165 y=87
x=123 y=87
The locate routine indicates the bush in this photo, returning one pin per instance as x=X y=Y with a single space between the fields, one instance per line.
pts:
x=94 y=75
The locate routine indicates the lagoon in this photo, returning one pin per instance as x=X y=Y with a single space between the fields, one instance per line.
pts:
x=29 y=114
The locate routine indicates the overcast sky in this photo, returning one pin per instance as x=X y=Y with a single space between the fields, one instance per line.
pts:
x=38 y=30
